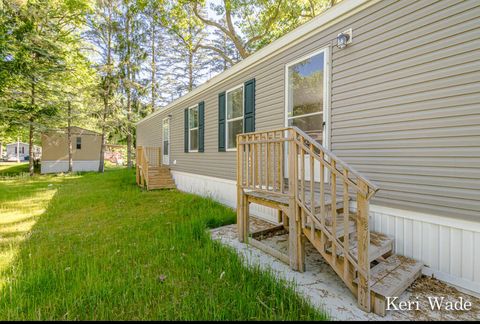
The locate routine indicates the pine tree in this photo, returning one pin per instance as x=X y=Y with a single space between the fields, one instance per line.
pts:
x=103 y=26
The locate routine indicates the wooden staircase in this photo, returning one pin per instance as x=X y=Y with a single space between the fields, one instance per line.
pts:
x=151 y=173
x=321 y=199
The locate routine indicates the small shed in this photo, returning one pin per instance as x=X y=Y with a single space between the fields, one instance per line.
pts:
x=86 y=145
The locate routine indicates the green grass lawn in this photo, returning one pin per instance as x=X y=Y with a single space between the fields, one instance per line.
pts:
x=96 y=247
x=13 y=168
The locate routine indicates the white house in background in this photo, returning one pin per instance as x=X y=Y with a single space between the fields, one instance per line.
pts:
x=19 y=151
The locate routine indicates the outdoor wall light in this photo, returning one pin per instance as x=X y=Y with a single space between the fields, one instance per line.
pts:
x=169 y=116
x=344 y=38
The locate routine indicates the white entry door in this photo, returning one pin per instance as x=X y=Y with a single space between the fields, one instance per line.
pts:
x=166 y=141
x=306 y=100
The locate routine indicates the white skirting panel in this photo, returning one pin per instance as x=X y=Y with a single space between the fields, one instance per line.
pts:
x=221 y=190
x=449 y=248
x=62 y=166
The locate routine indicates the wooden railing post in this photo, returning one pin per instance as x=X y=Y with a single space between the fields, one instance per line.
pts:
x=363 y=237
x=296 y=243
x=137 y=170
x=159 y=161
x=242 y=205
x=140 y=165
x=145 y=168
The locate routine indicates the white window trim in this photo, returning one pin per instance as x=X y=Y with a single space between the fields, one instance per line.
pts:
x=326 y=93
x=190 y=129
x=163 y=140
x=233 y=119
x=326 y=99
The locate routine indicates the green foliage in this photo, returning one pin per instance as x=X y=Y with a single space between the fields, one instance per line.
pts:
x=115 y=61
x=103 y=249
x=40 y=58
x=251 y=25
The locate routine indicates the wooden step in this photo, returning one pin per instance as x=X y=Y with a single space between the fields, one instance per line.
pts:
x=380 y=244
x=153 y=181
x=159 y=170
x=161 y=183
x=329 y=218
x=281 y=199
x=162 y=187
x=340 y=227
x=160 y=178
x=156 y=173
x=390 y=278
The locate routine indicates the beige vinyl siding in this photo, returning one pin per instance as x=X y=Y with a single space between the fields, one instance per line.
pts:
x=55 y=146
x=405 y=105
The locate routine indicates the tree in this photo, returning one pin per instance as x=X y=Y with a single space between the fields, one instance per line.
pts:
x=76 y=86
x=252 y=24
x=132 y=54
x=155 y=48
x=187 y=57
x=220 y=63
x=41 y=30
x=103 y=26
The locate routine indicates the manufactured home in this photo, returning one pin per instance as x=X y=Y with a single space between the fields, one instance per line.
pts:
x=86 y=145
x=19 y=151
x=386 y=91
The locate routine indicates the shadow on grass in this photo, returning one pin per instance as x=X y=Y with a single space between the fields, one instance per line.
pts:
x=104 y=249
x=9 y=169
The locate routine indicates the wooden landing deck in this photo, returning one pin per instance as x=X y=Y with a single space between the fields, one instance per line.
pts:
x=282 y=199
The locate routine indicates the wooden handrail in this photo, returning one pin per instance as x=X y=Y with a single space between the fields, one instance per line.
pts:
x=323 y=181
x=146 y=157
x=373 y=188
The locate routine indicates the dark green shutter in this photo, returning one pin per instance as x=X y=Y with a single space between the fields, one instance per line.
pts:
x=249 y=114
x=201 y=126
x=221 y=122
x=185 y=139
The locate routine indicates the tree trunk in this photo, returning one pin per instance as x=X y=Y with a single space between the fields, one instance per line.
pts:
x=190 y=71
x=18 y=150
x=129 y=93
x=30 y=135
x=102 y=146
x=106 y=92
x=1 y=150
x=30 y=149
x=153 y=65
x=69 y=137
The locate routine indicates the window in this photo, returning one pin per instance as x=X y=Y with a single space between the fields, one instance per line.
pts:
x=234 y=116
x=305 y=88
x=166 y=136
x=79 y=143
x=193 y=128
